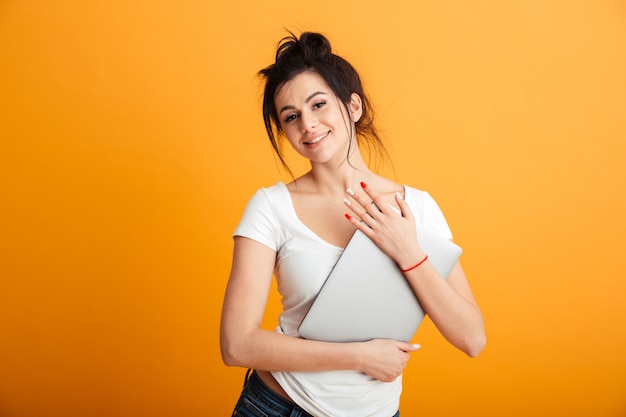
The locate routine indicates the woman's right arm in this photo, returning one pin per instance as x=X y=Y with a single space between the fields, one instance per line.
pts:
x=243 y=342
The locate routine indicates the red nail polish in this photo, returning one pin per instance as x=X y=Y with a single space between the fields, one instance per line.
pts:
x=363 y=185
x=348 y=216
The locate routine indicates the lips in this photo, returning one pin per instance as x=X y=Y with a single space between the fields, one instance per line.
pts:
x=316 y=139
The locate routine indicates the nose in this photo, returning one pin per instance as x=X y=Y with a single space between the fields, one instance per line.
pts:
x=308 y=122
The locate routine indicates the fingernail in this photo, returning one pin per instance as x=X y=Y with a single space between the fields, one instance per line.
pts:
x=348 y=216
x=417 y=345
x=349 y=191
x=345 y=200
x=399 y=195
x=363 y=185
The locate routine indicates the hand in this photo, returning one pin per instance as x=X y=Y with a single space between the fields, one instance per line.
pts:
x=394 y=233
x=385 y=359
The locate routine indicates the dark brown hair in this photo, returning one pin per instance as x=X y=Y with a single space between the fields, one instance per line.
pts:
x=312 y=52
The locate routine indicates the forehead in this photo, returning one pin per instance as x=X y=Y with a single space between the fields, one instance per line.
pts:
x=301 y=87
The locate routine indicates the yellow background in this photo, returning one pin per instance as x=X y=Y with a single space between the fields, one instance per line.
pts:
x=131 y=139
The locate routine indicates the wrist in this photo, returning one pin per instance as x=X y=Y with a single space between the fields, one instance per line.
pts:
x=415 y=264
x=406 y=258
x=358 y=359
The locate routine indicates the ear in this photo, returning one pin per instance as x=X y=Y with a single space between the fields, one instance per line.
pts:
x=356 y=107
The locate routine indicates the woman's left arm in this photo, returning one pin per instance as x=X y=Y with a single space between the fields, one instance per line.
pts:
x=451 y=306
x=449 y=303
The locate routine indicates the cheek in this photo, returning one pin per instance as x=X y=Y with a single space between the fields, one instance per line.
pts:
x=290 y=130
x=290 y=134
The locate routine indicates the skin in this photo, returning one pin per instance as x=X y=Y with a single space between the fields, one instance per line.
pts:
x=317 y=126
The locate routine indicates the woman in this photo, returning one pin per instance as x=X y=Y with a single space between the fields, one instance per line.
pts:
x=315 y=100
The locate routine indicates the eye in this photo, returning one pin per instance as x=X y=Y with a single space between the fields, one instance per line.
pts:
x=290 y=117
x=319 y=104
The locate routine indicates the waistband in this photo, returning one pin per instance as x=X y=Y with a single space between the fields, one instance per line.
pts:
x=256 y=387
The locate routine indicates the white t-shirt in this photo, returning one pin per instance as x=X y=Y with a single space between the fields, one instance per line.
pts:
x=303 y=261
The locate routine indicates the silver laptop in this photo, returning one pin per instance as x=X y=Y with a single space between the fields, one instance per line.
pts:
x=366 y=295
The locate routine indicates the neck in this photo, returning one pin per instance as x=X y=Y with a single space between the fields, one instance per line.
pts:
x=336 y=178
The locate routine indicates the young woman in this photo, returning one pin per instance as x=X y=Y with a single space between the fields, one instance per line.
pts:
x=296 y=232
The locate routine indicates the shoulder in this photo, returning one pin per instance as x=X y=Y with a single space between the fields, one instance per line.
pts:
x=387 y=186
x=271 y=194
x=426 y=210
x=420 y=199
x=276 y=189
x=265 y=201
x=416 y=196
x=261 y=219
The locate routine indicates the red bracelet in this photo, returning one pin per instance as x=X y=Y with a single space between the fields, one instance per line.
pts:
x=416 y=265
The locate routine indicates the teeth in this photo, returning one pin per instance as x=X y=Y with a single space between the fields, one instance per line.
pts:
x=317 y=139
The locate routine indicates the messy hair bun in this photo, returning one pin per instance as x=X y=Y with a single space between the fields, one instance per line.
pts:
x=313 y=52
x=311 y=46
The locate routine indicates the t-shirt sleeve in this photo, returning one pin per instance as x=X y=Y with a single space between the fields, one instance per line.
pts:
x=432 y=217
x=259 y=222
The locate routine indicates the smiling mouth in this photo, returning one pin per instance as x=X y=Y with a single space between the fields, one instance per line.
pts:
x=317 y=139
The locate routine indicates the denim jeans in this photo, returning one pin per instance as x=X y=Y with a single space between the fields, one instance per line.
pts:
x=259 y=400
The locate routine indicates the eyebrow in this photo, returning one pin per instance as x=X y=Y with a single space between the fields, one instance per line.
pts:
x=308 y=99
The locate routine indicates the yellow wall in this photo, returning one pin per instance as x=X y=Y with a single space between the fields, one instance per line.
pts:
x=131 y=139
